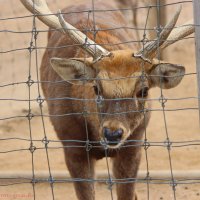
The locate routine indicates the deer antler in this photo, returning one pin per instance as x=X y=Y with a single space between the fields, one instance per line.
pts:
x=40 y=8
x=151 y=47
x=78 y=37
x=179 y=33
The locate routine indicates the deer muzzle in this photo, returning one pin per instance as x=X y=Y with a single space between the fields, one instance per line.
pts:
x=113 y=137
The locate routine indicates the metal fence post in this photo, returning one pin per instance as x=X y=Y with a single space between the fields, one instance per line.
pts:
x=196 y=9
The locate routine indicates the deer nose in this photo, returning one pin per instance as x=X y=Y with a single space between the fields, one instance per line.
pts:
x=113 y=137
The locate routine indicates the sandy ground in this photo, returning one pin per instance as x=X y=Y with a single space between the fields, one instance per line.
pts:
x=182 y=125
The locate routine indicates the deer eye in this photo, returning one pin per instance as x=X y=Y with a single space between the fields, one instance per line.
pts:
x=143 y=92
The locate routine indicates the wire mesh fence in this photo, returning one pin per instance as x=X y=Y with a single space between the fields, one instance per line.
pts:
x=33 y=163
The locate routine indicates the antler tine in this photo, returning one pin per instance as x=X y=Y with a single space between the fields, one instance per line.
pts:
x=80 y=38
x=40 y=8
x=179 y=33
x=151 y=47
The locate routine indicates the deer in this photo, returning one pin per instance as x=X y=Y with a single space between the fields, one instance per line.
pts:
x=97 y=86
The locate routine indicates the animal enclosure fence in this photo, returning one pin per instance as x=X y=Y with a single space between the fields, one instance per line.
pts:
x=31 y=154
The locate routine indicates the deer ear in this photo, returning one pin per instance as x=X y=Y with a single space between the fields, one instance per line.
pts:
x=166 y=75
x=74 y=71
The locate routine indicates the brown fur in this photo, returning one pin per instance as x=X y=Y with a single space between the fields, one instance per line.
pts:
x=73 y=126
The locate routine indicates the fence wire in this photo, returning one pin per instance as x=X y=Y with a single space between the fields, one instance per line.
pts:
x=31 y=82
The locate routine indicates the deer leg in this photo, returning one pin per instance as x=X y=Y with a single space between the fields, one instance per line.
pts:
x=125 y=165
x=80 y=167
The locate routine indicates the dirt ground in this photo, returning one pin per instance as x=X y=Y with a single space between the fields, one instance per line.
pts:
x=182 y=124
